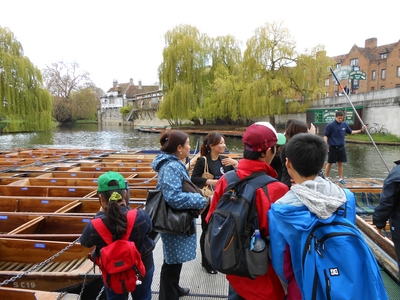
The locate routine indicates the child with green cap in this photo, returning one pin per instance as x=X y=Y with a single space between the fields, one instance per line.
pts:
x=112 y=193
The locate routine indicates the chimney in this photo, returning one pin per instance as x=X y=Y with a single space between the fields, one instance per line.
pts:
x=115 y=84
x=140 y=85
x=371 y=43
x=131 y=81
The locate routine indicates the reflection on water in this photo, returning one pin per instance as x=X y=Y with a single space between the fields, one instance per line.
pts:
x=363 y=160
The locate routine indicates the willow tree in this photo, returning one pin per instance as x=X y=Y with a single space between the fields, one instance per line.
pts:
x=181 y=74
x=307 y=77
x=26 y=105
x=224 y=85
x=268 y=54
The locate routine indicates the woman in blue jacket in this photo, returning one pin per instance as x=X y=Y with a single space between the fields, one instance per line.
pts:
x=177 y=249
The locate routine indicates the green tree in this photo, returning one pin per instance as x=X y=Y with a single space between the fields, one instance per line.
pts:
x=224 y=84
x=307 y=77
x=181 y=74
x=269 y=53
x=25 y=104
x=84 y=104
x=277 y=79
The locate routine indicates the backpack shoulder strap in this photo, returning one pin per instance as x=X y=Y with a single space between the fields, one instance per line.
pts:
x=232 y=179
x=261 y=181
x=105 y=233
x=130 y=222
x=102 y=229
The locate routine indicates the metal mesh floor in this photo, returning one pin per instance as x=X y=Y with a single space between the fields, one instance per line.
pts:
x=202 y=285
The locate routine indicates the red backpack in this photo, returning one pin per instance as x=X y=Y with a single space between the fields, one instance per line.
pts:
x=120 y=261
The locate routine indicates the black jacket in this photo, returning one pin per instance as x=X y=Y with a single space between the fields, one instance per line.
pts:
x=214 y=167
x=389 y=203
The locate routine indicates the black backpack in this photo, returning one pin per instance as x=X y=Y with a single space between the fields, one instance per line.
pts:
x=232 y=225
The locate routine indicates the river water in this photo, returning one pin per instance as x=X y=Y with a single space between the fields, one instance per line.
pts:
x=363 y=159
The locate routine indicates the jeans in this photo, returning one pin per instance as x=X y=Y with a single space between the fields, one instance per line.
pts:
x=142 y=292
x=232 y=295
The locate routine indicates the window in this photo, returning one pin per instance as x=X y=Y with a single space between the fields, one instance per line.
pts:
x=383 y=74
x=384 y=55
x=398 y=71
x=354 y=62
x=372 y=88
x=326 y=95
x=382 y=87
x=373 y=75
x=338 y=65
x=326 y=81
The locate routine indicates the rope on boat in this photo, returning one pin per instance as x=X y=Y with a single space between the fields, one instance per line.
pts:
x=12 y=279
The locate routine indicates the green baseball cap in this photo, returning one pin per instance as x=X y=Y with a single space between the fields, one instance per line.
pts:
x=105 y=178
x=281 y=139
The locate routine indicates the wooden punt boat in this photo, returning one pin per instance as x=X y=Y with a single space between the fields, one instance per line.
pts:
x=136 y=194
x=46 y=266
x=66 y=227
x=26 y=153
x=367 y=193
x=18 y=294
x=115 y=169
x=24 y=204
x=85 y=182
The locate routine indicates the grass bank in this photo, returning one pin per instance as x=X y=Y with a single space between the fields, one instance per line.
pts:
x=377 y=137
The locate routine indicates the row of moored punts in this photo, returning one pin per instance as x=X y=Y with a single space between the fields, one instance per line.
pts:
x=49 y=195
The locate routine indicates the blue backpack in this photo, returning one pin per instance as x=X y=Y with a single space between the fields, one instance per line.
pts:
x=349 y=208
x=232 y=226
x=338 y=263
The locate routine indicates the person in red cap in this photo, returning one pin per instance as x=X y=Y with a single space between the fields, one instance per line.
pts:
x=259 y=149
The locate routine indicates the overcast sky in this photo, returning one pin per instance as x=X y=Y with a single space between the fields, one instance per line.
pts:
x=123 y=39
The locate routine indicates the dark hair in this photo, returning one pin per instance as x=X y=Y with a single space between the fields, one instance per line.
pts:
x=288 y=122
x=339 y=113
x=116 y=218
x=296 y=127
x=171 y=139
x=255 y=155
x=306 y=153
x=211 y=139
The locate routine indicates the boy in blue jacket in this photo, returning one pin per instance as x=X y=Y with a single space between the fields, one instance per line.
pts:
x=312 y=200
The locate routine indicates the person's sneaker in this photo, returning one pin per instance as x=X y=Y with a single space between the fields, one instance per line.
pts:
x=341 y=181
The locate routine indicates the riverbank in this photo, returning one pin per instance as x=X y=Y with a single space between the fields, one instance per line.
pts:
x=235 y=131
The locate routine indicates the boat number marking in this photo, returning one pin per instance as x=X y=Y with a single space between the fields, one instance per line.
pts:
x=24 y=284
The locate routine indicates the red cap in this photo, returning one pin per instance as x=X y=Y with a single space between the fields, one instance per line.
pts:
x=259 y=137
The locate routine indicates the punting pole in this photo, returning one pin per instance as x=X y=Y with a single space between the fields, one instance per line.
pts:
x=359 y=118
x=195 y=155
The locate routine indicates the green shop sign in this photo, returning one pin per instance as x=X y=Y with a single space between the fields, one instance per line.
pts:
x=327 y=115
x=360 y=75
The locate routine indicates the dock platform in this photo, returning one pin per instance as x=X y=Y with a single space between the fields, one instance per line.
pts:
x=215 y=286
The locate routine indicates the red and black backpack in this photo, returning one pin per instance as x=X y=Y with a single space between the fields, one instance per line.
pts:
x=120 y=261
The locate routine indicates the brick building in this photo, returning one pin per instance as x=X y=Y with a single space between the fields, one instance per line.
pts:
x=379 y=64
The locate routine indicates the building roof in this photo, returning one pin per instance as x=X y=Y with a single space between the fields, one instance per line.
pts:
x=130 y=89
x=371 y=51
